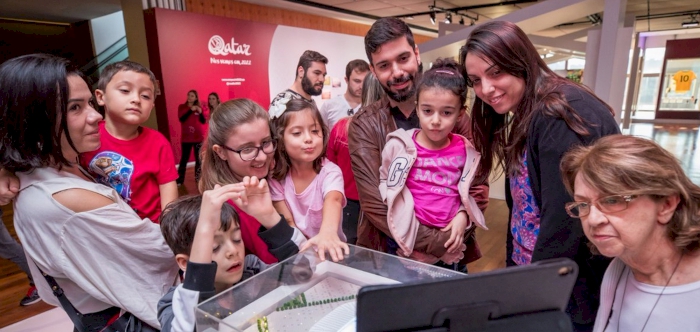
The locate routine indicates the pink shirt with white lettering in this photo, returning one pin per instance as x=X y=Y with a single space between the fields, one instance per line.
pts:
x=433 y=180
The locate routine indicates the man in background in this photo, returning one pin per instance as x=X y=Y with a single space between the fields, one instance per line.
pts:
x=310 y=75
x=349 y=103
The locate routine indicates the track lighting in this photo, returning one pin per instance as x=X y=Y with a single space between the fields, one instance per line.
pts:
x=448 y=18
x=693 y=22
x=432 y=17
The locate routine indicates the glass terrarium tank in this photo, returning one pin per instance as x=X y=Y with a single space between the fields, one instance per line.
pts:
x=302 y=293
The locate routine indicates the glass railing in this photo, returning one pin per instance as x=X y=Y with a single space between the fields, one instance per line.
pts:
x=114 y=53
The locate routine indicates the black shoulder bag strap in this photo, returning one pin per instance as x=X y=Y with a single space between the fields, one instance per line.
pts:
x=68 y=307
x=126 y=322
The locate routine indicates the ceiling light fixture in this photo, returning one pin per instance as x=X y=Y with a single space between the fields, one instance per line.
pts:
x=690 y=24
x=432 y=17
x=693 y=22
x=461 y=20
x=448 y=18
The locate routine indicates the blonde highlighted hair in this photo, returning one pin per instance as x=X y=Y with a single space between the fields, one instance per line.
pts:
x=628 y=165
x=223 y=121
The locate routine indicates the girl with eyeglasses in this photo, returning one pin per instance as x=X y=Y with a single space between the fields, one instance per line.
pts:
x=305 y=187
x=239 y=144
x=637 y=206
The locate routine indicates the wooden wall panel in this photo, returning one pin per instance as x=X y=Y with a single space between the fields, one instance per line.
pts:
x=273 y=15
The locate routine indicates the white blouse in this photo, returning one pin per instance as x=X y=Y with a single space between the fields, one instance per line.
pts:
x=101 y=258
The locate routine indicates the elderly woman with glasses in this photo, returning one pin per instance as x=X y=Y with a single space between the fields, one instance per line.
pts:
x=636 y=205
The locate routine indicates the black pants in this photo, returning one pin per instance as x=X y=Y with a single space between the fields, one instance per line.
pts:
x=186 y=148
x=351 y=213
x=96 y=321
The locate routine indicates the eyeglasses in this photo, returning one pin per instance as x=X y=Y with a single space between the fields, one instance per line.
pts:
x=250 y=153
x=609 y=204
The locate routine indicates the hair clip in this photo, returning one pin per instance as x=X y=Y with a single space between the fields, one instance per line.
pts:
x=278 y=108
x=444 y=71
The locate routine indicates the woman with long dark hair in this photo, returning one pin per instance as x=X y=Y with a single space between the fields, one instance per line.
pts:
x=82 y=234
x=192 y=119
x=525 y=117
x=213 y=101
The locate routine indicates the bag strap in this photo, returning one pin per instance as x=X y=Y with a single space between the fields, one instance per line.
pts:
x=126 y=322
x=68 y=307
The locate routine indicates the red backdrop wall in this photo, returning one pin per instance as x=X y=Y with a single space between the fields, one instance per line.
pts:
x=208 y=54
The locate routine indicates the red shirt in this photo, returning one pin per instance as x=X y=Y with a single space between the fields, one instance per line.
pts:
x=192 y=129
x=134 y=168
x=339 y=154
x=251 y=240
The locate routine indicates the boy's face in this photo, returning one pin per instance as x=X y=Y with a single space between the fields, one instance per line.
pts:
x=128 y=98
x=229 y=255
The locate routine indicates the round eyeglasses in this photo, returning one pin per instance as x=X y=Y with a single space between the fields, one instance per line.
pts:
x=250 y=153
x=609 y=204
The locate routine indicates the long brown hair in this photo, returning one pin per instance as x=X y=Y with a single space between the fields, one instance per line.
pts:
x=196 y=98
x=372 y=90
x=505 y=45
x=225 y=118
x=282 y=162
x=628 y=165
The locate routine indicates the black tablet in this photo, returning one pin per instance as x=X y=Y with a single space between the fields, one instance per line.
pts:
x=523 y=298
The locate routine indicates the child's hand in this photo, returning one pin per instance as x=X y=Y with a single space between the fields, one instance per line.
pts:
x=457 y=226
x=328 y=242
x=451 y=258
x=210 y=220
x=212 y=200
x=255 y=200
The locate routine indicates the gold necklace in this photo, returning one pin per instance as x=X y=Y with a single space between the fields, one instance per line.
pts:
x=622 y=302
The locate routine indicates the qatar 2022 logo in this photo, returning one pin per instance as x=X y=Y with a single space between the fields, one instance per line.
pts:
x=218 y=46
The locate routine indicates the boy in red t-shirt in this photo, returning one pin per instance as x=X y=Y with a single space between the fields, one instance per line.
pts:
x=136 y=161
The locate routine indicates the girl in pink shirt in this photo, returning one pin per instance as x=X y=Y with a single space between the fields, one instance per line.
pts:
x=426 y=173
x=305 y=187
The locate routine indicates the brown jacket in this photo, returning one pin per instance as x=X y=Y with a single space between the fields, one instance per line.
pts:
x=366 y=139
